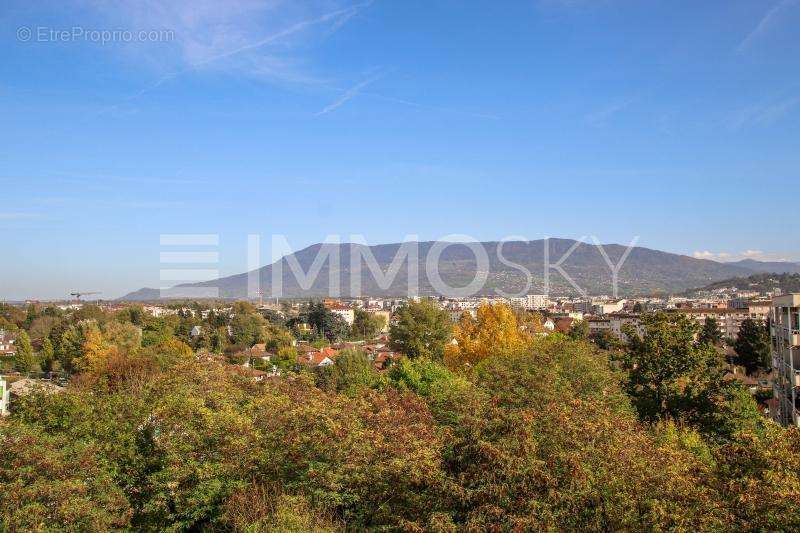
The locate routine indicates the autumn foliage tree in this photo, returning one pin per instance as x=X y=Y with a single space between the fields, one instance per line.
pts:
x=540 y=433
x=493 y=331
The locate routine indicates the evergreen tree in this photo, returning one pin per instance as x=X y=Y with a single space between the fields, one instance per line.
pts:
x=752 y=346
x=325 y=322
x=23 y=358
x=710 y=334
x=47 y=355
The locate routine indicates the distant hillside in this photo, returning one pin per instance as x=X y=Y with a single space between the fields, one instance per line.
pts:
x=645 y=271
x=764 y=282
x=770 y=267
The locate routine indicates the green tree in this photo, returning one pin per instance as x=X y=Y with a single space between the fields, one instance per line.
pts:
x=47 y=356
x=367 y=325
x=277 y=337
x=218 y=339
x=662 y=362
x=286 y=358
x=579 y=330
x=54 y=482
x=351 y=372
x=752 y=346
x=23 y=357
x=710 y=333
x=325 y=322
x=420 y=329
x=70 y=348
x=247 y=329
x=126 y=336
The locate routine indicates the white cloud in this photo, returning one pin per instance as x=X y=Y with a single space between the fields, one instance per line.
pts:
x=261 y=38
x=347 y=95
x=757 y=255
x=764 y=113
x=753 y=254
x=766 y=22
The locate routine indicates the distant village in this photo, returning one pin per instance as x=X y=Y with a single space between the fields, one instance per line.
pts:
x=605 y=319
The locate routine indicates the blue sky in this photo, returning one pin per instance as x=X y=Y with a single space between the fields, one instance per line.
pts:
x=674 y=121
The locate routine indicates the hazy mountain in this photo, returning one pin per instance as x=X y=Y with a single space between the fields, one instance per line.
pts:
x=763 y=282
x=777 y=267
x=644 y=271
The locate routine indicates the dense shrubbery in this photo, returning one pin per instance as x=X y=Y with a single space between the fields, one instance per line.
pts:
x=541 y=434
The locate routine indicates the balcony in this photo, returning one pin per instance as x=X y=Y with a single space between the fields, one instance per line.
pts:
x=790 y=336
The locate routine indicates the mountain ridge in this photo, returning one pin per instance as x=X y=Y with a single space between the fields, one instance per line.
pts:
x=645 y=270
x=769 y=267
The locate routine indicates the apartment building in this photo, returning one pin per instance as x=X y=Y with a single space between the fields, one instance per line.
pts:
x=728 y=320
x=347 y=314
x=614 y=325
x=785 y=332
x=605 y=308
x=536 y=301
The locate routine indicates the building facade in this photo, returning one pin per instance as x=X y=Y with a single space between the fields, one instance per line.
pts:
x=785 y=332
x=536 y=301
x=729 y=320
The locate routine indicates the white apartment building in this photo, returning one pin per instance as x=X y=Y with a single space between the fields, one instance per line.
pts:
x=599 y=325
x=728 y=320
x=614 y=324
x=536 y=301
x=785 y=332
x=605 y=308
x=346 y=313
x=617 y=322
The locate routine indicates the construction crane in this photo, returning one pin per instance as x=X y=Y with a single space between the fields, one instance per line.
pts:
x=78 y=295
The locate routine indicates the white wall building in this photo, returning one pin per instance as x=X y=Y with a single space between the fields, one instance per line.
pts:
x=346 y=313
x=3 y=397
x=605 y=308
x=728 y=320
x=536 y=301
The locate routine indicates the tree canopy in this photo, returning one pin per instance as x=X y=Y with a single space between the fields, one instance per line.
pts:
x=420 y=329
x=540 y=432
x=752 y=346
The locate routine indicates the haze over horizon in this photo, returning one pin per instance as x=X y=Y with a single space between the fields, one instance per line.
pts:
x=676 y=122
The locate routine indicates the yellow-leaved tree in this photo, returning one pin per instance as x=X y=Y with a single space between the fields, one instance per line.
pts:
x=96 y=352
x=494 y=330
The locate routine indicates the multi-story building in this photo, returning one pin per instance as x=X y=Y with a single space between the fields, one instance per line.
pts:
x=347 y=314
x=618 y=322
x=614 y=324
x=728 y=320
x=785 y=332
x=536 y=301
x=605 y=308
